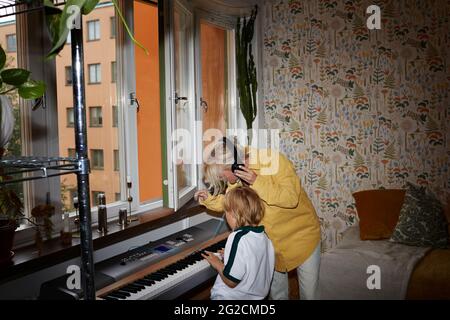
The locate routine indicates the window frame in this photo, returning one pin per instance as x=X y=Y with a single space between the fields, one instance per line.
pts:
x=112 y=27
x=98 y=73
x=115 y=116
x=71 y=152
x=116 y=160
x=113 y=72
x=68 y=75
x=70 y=114
x=97 y=29
x=91 y=118
x=93 y=159
x=7 y=37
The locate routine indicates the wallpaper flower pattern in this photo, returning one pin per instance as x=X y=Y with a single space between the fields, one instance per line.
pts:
x=358 y=108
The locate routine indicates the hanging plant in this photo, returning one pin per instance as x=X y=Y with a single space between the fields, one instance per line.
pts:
x=59 y=22
x=247 y=83
x=10 y=80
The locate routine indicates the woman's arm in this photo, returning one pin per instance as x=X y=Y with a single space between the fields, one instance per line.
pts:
x=214 y=203
x=281 y=189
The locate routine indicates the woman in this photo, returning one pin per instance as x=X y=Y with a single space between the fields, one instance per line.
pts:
x=290 y=220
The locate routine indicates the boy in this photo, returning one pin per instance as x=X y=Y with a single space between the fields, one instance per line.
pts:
x=249 y=258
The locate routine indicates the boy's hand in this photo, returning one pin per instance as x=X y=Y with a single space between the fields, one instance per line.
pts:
x=213 y=260
x=201 y=195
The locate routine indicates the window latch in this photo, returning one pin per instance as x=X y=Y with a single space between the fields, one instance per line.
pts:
x=178 y=98
x=134 y=100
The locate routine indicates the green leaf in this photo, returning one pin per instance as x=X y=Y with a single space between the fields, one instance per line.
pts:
x=63 y=31
x=89 y=5
x=32 y=89
x=2 y=58
x=15 y=76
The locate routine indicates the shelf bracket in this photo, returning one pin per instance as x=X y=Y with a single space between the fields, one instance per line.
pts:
x=83 y=166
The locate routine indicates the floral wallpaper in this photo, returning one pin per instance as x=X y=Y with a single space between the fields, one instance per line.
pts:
x=358 y=109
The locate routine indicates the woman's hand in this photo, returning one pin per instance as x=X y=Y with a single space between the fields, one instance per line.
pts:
x=244 y=173
x=201 y=195
x=213 y=260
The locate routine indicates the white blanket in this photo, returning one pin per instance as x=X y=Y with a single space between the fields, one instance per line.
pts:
x=345 y=269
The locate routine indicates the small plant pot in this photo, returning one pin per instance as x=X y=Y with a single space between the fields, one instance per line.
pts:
x=7 y=231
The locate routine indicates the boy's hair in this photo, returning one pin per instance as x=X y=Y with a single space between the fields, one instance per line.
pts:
x=246 y=206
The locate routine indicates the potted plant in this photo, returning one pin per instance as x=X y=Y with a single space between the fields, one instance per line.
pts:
x=11 y=211
x=11 y=207
x=247 y=83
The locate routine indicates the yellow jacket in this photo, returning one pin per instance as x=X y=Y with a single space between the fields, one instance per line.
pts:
x=290 y=219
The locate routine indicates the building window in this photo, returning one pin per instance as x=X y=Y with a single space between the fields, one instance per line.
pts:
x=94 y=195
x=113 y=27
x=117 y=196
x=115 y=116
x=71 y=153
x=93 y=30
x=97 y=159
x=113 y=72
x=73 y=193
x=95 y=116
x=68 y=71
x=116 y=160
x=95 y=73
x=70 y=117
x=11 y=44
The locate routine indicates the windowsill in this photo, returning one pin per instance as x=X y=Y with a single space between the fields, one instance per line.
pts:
x=27 y=260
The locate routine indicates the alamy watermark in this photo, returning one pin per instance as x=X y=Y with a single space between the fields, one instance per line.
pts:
x=185 y=150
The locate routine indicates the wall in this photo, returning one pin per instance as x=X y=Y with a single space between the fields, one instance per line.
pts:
x=358 y=109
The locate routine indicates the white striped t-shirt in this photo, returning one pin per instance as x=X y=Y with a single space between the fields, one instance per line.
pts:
x=249 y=260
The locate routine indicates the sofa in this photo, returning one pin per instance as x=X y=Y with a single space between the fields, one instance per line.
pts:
x=348 y=271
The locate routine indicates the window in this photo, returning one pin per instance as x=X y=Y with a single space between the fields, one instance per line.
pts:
x=93 y=27
x=116 y=160
x=68 y=71
x=117 y=196
x=115 y=116
x=100 y=92
x=97 y=159
x=70 y=117
x=11 y=44
x=71 y=153
x=113 y=72
x=95 y=116
x=112 y=22
x=94 y=196
x=95 y=73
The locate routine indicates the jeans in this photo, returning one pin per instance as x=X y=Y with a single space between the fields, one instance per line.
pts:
x=308 y=279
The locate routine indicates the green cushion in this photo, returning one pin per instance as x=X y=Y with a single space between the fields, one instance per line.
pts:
x=422 y=221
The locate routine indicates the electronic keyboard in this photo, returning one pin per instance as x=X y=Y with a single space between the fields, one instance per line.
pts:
x=164 y=269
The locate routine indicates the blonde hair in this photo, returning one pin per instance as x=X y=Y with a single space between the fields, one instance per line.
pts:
x=219 y=158
x=246 y=206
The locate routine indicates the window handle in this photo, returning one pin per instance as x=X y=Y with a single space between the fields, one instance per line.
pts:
x=134 y=100
x=178 y=98
x=204 y=105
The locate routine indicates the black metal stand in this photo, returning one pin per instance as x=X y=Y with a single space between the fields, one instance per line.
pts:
x=79 y=99
x=50 y=167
